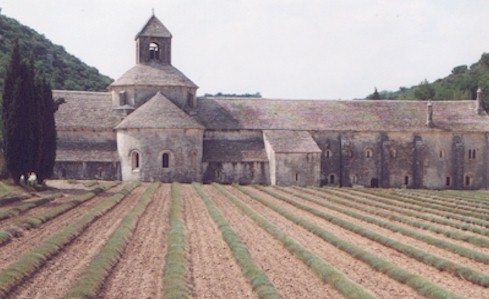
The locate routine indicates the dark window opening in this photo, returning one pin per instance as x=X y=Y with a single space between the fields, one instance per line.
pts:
x=472 y=154
x=406 y=180
x=368 y=153
x=190 y=100
x=154 y=51
x=135 y=160
x=296 y=177
x=468 y=180
x=448 y=181
x=332 y=179
x=374 y=183
x=165 y=160
x=442 y=154
x=328 y=154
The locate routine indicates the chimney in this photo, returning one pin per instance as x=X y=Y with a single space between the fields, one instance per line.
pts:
x=429 y=116
x=480 y=105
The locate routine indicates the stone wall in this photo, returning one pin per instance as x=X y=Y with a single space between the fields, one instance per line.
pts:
x=298 y=169
x=243 y=173
x=183 y=147
x=87 y=170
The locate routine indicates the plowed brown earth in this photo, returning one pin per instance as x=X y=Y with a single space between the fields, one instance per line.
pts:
x=138 y=274
x=211 y=264
x=381 y=285
x=59 y=274
x=289 y=275
x=10 y=252
x=419 y=230
x=68 y=195
x=448 y=281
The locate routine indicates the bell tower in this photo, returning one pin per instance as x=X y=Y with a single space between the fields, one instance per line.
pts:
x=153 y=43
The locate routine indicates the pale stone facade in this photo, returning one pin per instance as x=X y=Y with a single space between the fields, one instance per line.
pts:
x=150 y=126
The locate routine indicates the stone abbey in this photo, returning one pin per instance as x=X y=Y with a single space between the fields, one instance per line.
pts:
x=150 y=126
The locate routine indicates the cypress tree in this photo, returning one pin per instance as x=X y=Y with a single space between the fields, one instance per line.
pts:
x=48 y=133
x=29 y=133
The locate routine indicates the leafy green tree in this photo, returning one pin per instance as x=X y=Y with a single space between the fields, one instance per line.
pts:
x=424 y=91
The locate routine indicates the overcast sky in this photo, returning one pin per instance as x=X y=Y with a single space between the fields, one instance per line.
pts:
x=293 y=49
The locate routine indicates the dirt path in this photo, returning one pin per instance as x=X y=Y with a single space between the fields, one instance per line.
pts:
x=139 y=273
x=10 y=252
x=443 y=279
x=211 y=263
x=289 y=275
x=61 y=273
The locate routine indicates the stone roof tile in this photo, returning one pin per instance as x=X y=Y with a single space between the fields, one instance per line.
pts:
x=353 y=115
x=291 y=141
x=154 y=28
x=159 y=113
x=234 y=151
x=91 y=110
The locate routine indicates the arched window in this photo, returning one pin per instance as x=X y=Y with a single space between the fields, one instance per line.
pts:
x=165 y=160
x=468 y=181
x=393 y=153
x=448 y=181
x=135 y=160
x=332 y=179
x=154 y=51
x=328 y=154
x=442 y=154
x=296 y=177
x=406 y=180
x=369 y=153
x=354 y=179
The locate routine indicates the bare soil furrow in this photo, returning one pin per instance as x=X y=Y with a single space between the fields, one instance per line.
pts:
x=289 y=275
x=138 y=274
x=407 y=210
x=211 y=262
x=375 y=227
x=380 y=284
x=60 y=273
x=443 y=279
x=31 y=238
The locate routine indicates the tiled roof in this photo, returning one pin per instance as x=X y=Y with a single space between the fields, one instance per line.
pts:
x=91 y=110
x=83 y=155
x=291 y=141
x=154 y=74
x=159 y=113
x=353 y=115
x=154 y=28
x=234 y=151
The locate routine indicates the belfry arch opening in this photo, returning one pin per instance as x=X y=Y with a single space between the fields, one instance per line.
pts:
x=154 y=51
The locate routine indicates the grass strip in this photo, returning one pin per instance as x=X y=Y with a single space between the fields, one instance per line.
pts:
x=175 y=283
x=25 y=206
x=451 y=205
x=475 y=240
x=425 y=204
x=94 y=276
x=323 y=270
x=257 y=277
x=13 y=198
x=40 y=218
x=420 y=212
x=438 y=263
x=33 y=260
x=90 y=183
x=445 y=245
x=444 y=197
x=416 y=282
